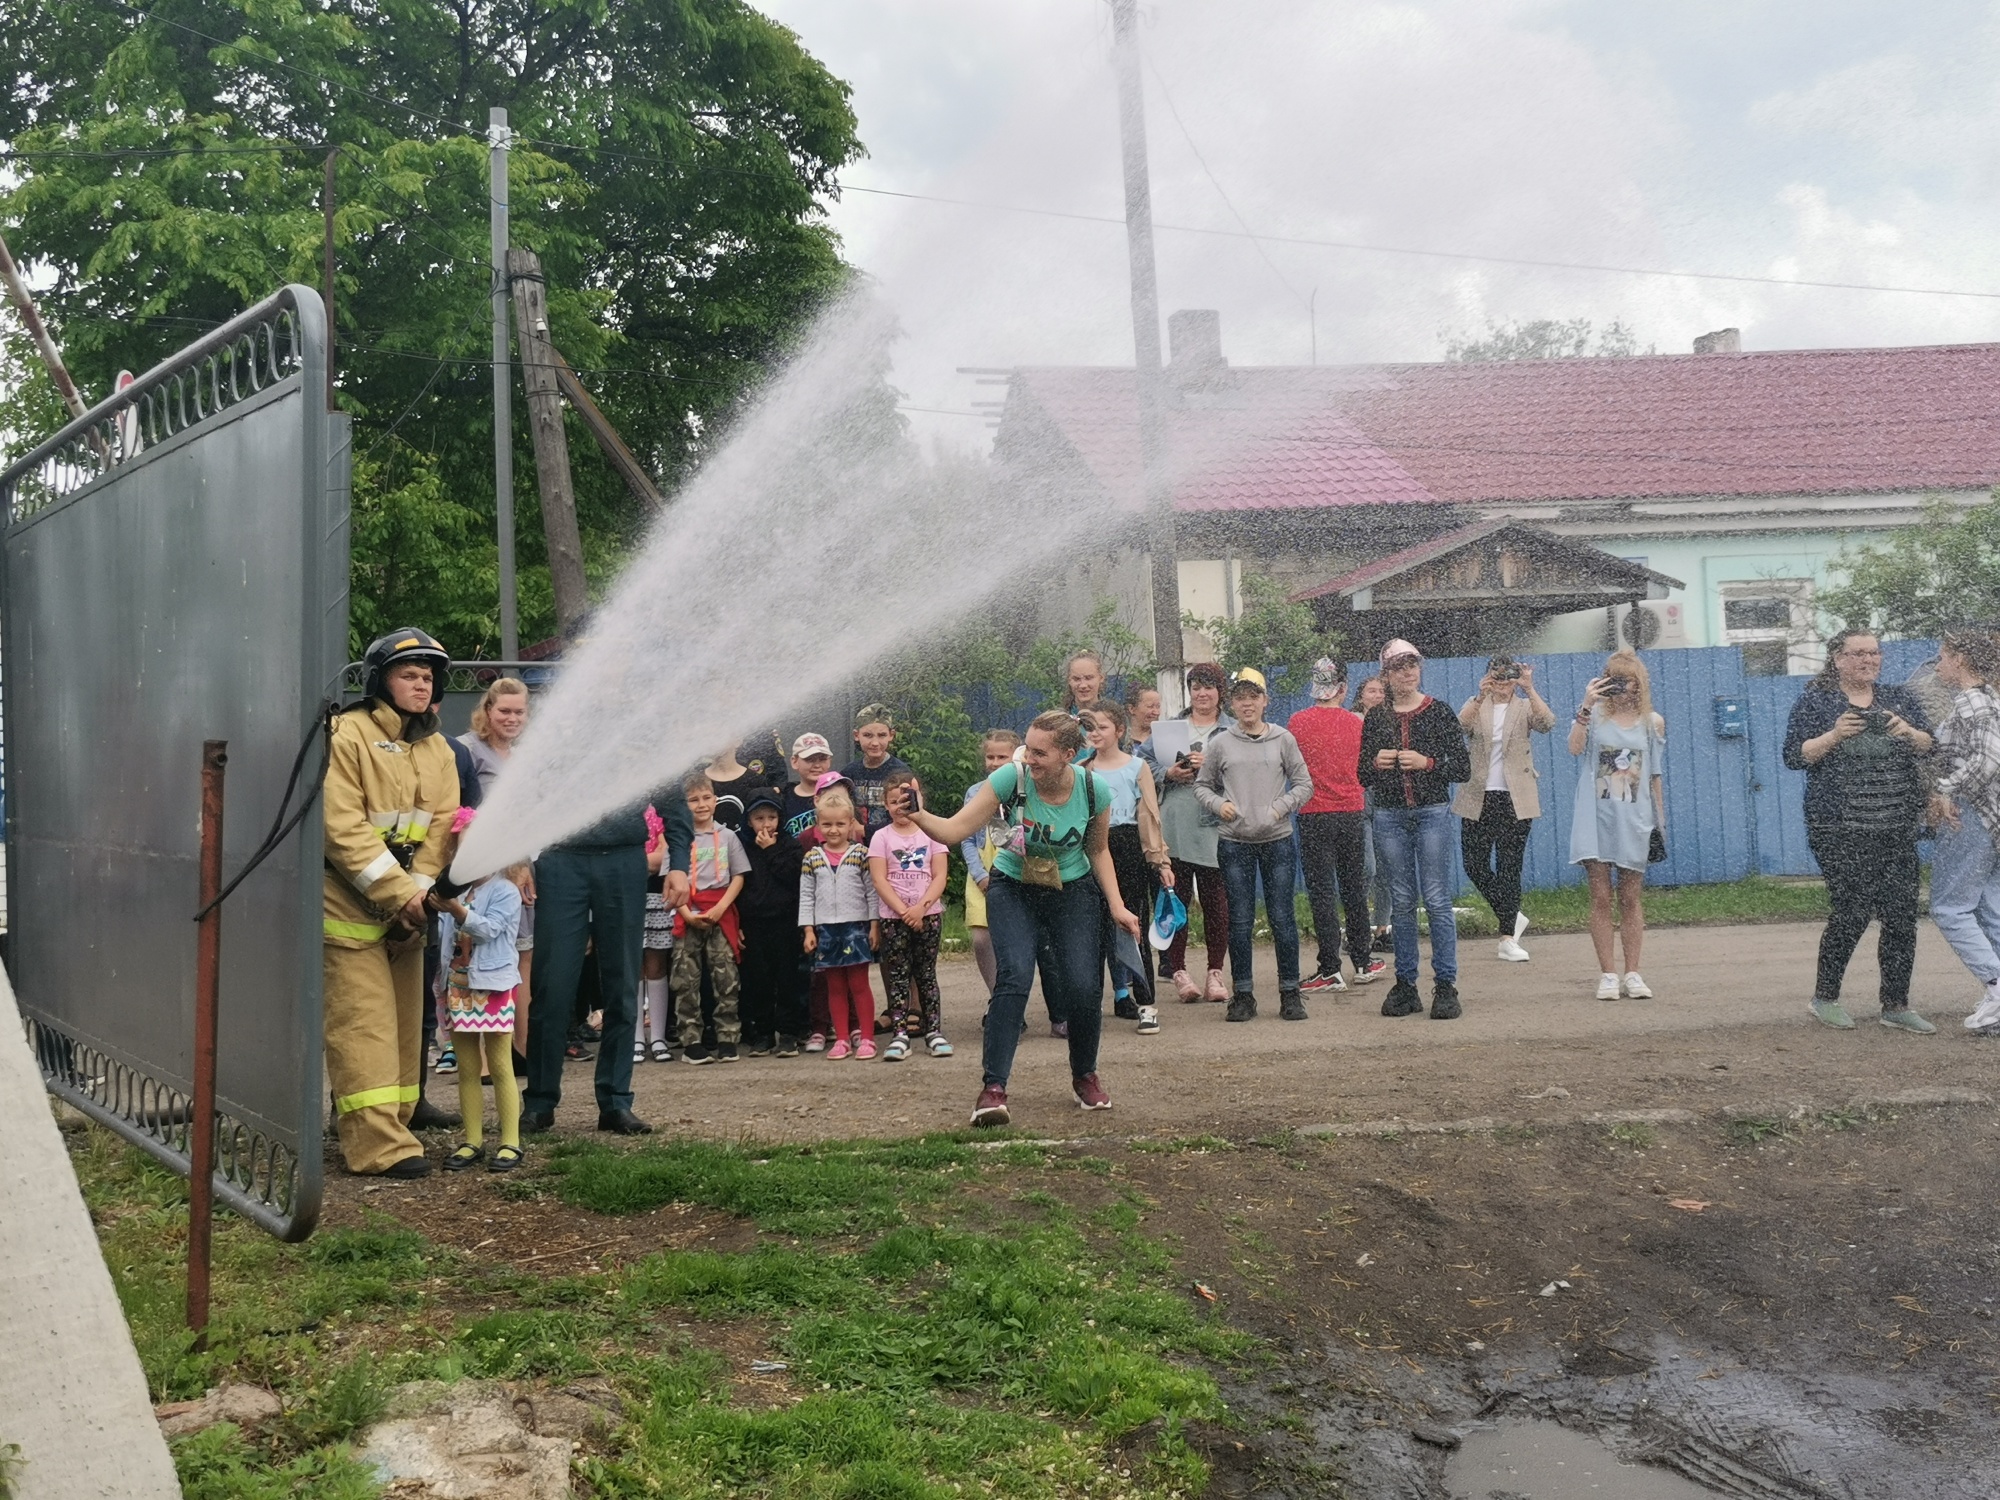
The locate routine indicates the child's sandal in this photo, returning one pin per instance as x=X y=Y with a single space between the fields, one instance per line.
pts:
x=464 y=1157
x=506 y=1159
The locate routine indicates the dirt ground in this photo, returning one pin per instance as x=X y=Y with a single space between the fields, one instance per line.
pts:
x=1725 y=1238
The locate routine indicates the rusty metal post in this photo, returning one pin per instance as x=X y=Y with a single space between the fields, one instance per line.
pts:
x=207 y=992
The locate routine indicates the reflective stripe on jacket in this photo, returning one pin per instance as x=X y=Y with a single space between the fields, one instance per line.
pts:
x=380 y=790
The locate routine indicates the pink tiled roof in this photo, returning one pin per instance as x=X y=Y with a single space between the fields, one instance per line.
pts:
x=1270 y=440
x=1817 y=421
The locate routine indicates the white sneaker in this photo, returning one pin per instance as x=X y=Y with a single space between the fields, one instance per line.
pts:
x=1149 y=1020
x=1636 y=988
x=1520 y=924
x=1607 y=987
x=1988 y=1012
x=1512 y=952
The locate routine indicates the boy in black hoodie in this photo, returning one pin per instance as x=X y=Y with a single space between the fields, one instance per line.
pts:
x=774 y=996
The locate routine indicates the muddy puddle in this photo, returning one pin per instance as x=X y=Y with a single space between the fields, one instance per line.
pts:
x=1531 y=1460
x=1660 y=1421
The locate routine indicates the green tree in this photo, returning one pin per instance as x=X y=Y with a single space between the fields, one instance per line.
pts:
x=671 y=165
x=1270 y=632
x=1944 y=571
x=1542 y=338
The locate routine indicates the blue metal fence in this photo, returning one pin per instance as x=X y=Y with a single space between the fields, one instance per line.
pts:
x=1732 y=807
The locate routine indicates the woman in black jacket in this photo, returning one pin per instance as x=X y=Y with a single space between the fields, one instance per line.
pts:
x=1412 y=750
x=1859 y=742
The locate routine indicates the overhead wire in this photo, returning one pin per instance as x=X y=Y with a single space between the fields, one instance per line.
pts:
x=454 y=130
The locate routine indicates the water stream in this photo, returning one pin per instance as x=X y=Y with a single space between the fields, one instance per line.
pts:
x=815 y=541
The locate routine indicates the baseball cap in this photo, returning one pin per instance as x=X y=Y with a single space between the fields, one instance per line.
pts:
x=1248 y=677
x=831 y=779
x=1397 y=649
x=810 y=744
x=873 y=713
x=1329 y=681
x=1169 y=917
x=765 y=796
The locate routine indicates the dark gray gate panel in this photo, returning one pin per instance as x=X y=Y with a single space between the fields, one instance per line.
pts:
x=193 y=590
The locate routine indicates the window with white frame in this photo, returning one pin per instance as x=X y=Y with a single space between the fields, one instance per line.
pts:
x=1772 y=620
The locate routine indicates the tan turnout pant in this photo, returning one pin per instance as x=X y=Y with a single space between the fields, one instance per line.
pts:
x=374 y=1019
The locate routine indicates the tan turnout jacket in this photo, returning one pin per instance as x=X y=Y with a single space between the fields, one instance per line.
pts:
x=381 y=788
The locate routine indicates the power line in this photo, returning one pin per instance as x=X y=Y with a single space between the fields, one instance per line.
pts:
x=1216 y=182
x=1502 y=260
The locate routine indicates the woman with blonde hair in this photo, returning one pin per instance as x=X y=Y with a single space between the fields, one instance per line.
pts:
x=497 y=721
x=1621 y=814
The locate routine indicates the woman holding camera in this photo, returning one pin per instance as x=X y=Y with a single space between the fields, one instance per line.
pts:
x=1192 y=835
x=1499 y=802
x=1859 y=742
x=1621 y=814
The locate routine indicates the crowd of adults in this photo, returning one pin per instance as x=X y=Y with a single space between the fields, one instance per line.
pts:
x=1087 y=841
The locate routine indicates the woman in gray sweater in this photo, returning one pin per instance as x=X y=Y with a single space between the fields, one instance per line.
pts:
x=1253 y=781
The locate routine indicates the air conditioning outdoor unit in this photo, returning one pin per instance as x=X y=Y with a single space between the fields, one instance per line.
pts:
x=1656 y=622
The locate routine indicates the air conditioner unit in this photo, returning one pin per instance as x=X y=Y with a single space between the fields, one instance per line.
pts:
x=1654 y=623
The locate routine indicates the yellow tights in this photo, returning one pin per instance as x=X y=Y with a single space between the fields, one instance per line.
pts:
x=498 y=1049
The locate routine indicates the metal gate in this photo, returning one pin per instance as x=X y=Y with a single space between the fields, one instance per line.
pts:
x=174 y=569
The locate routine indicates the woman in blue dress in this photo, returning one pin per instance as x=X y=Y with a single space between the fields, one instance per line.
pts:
x=1619 y=806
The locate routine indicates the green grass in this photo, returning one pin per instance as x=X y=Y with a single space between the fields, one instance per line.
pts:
x=928 y=1350
x=1567 y=909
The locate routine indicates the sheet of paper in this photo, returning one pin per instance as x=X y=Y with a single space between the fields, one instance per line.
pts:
x=1171 y=737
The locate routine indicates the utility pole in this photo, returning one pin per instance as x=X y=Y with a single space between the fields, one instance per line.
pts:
x=1162 y=543
x=503 y=388
x=24 y=303
x=545 y=422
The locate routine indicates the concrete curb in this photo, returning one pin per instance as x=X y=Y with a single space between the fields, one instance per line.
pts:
x=72 y=1394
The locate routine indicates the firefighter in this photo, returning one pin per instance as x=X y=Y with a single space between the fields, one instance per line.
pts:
x=391 y=780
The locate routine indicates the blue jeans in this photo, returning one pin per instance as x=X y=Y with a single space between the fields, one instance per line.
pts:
x=1418 y=846
x=1965 y=894
x=1277 y=864
x=1065 y=929
x=585 y=898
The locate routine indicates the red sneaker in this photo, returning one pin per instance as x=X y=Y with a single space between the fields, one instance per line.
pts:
x=1371 y=971
x=1090 y=1093
x=991 y=1108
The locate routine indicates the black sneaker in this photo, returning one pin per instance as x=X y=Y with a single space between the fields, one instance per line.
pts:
x=1291 y=1007
x=1242 y=1007
x=1444 y=1001
x=763 y=1046
x=1402 y=1000
x=1125 y=1008
x=725 y=1052
x=577 y=1052
x=696 y=1054
x=788 y=1046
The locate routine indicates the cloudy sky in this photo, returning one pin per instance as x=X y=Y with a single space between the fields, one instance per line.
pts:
x=1831 y=140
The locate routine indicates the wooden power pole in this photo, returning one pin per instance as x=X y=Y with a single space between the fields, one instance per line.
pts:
x=545 y=424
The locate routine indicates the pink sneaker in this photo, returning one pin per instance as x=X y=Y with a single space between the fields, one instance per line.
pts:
x=816 y=1042
x=865 y=1048
x=1218 y=987
x=1090 y=1093
x=1188 y=990
x=839 y=1051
